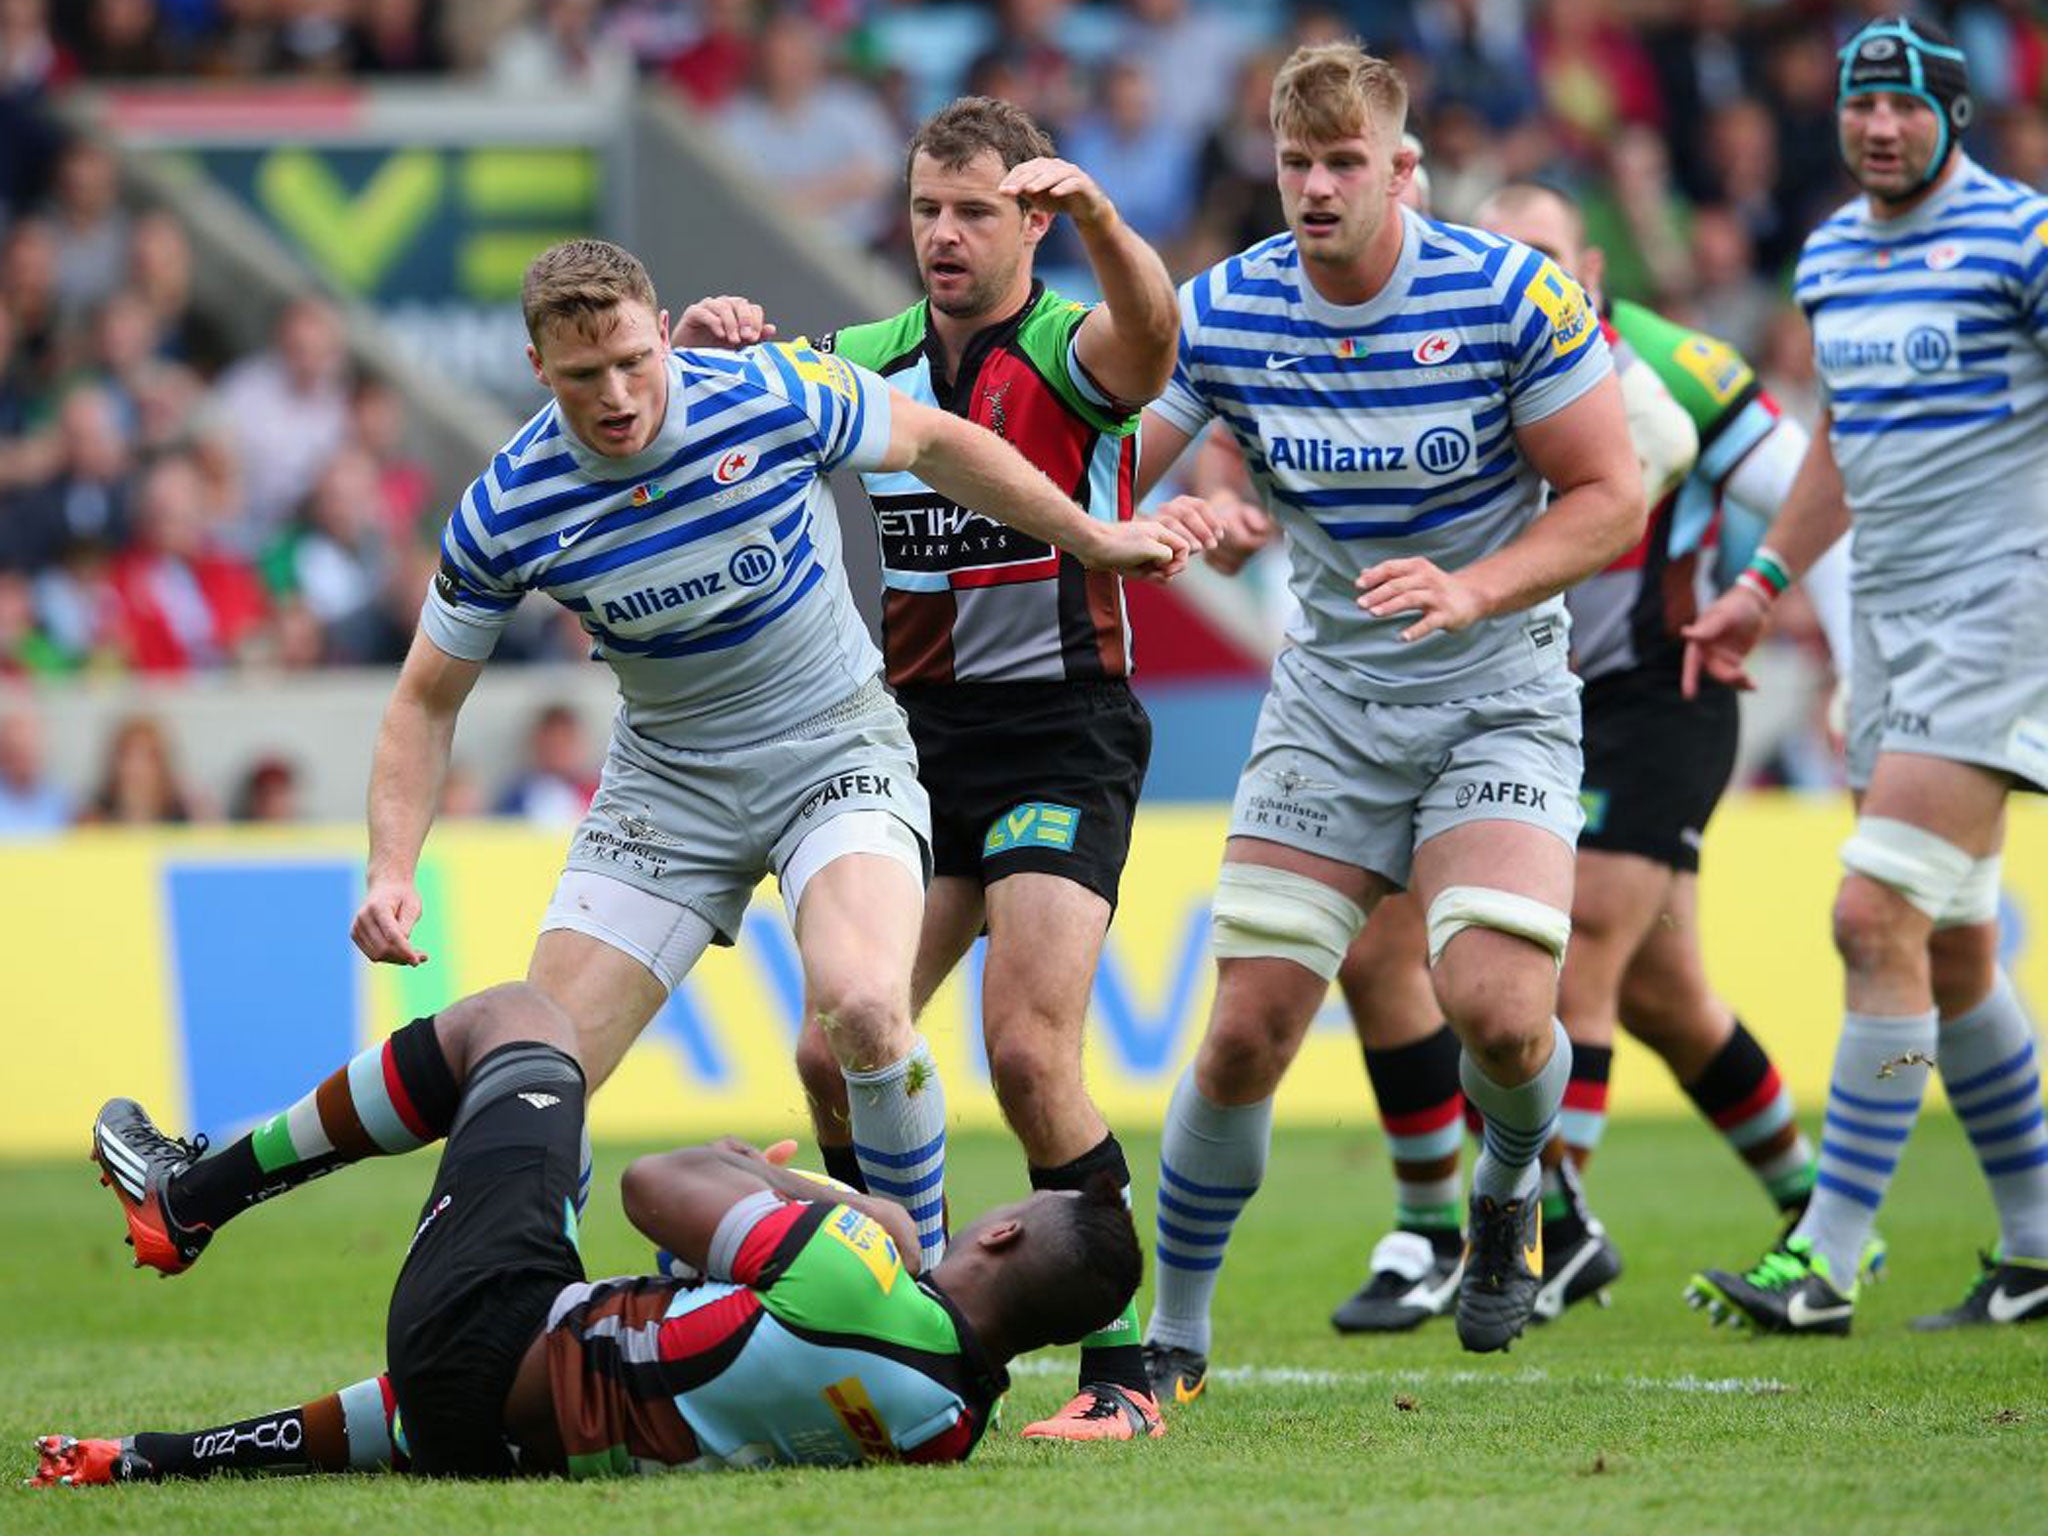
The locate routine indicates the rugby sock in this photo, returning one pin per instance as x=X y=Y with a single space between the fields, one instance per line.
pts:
x=1111 y=1355
x=1873 y=1100
x=899 y=1139
x=396 y=1096
x=1421 y=1108
x=1518 y=1120
x=1993 y=1078
x=1741 y=1094
x=843 y=1164
x=1211 y=1159
x=1583 y=1120
x=345 y=1431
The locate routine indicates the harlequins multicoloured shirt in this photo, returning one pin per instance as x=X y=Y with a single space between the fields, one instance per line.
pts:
x=966 y=599
x=816 y=1347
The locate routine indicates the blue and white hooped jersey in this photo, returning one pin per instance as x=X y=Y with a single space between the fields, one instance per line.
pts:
x=707 y=569
x=1385 y=429
x=1931 y=336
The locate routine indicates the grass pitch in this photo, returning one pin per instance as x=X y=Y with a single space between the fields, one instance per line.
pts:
x=1639 y=1418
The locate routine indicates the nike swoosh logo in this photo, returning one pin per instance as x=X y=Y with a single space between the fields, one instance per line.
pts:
x=1275 y=362
x=2002 y=1308
x=1802 y=1315
x=571 y=535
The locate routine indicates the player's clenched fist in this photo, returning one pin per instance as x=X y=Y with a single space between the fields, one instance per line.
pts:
x=383 y=926
x=1442 y=599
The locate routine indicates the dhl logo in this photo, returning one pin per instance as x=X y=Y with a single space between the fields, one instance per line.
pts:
x=863 y=1421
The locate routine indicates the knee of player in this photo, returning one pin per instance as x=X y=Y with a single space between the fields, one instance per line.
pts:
x=502 y=1015
x=1026 y=1065
x=1875 y=928
x=864 y=1022
x=817 y=1068
x=1244 y=1052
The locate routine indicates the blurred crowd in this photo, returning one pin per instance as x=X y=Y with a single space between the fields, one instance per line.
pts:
x=169 y=504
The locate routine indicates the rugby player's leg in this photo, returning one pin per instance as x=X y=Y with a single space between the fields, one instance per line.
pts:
x=857 y=920
x=1669 y=1005
x=345 y=1431
x=1283 y=920
x=1411 y=1059
x=953 y=917
x=1498 y=897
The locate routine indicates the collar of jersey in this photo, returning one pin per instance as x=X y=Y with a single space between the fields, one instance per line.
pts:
x=1353 y=317
x=668 y=442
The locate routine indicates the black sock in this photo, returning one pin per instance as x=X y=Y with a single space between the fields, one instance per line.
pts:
x=842 y=1164
x=1114 y=1356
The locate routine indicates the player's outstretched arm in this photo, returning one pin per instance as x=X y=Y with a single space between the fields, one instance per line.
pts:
x=679 y=1198
x=1596 y=513
x=983 y=473
x=1127 y=342
x=413 y=746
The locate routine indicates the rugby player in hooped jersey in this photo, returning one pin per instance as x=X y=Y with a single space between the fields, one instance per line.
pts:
x=1011 y=663
x=676 y=502
x=1401 y=391
x=1928 y=297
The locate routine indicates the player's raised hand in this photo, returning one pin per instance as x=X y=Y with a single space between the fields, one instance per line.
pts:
x=383 y=926
x=725 y=321
x=1442 y=599
x=1720 y=640
x=1057 y=186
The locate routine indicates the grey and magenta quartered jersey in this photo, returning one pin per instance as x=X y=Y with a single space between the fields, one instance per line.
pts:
x=1628 y=616
x=814 y=1346
x=707 y=569
x=1931 y=336
x=1387 y=428
x=967 y=599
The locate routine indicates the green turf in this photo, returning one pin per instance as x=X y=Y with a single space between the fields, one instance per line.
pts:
x=1635 y=1419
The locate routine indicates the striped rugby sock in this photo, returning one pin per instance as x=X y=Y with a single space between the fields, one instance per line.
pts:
x=1211 y=1160
x=1421 y=1110
x=395 y=1097
x=345 y=1431
x=1518 y=1120
x=1873 y=1101
x=1583 y=1119
x=1993 y=1077
x=1743 y=1097
x=899 y=1137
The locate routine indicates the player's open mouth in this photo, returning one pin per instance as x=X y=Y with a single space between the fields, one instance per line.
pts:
x=1319 y=223
x=617 y=428
x=948 y=269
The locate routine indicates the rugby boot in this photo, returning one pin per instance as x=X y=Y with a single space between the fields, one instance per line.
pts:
x=2004 y=1292
x=64 y=1461
x=1102 y=1411
x=1579 y=1259
x=1503 y=1270
x=1788 y=1291
x=137 y=1161
x=1178 y=1375
x=1412 y=1280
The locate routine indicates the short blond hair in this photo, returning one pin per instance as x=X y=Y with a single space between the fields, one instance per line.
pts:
x=578 y=280
x=1333 y=90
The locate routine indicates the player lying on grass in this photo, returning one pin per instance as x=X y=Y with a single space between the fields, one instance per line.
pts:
x=807 y=1336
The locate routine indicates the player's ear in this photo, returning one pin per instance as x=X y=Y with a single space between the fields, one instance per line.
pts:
x=661 y=327
x=533 y=357
x=998 y=1236
x=1037 y=224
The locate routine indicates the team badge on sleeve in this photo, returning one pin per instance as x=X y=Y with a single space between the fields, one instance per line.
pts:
x=1564 y=304
x=1716 y=365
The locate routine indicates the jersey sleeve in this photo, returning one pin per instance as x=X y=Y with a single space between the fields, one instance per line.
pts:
x=1051 y=336
x=1554 y=348
x=2034 y=271
x=473 y=594
x=847 y=405
x=1182 y=402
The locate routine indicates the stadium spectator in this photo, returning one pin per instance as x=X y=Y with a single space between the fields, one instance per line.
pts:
x=30 y=60
x=87 y=497
x=123 y=39
x=184 y=603
x=562 y=46
x=1742 y=149
x=31 y=804
x=17 y=403
x=1234 y=169
x=714 y=66
x=28 y=287
x=556 y=787
x=823 y=144
x=25 y=650
x=1785 y=364
x=268 y=791
x=1728 y=300
x=2007 y=42
x=404 y=485
x=1704 y=60
x=139 y=783
x=396 y=37
x=1800 y=87
x=1145 y=163
x=1593 y=74
x=160 y=274
x=1475 y=54
x=2020 y=144
x=335 y=556
x=286 y=411
x=90 y=228
x=1028 y=49
x=1191 y=55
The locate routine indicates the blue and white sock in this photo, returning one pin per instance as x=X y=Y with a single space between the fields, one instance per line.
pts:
x=1211 y=1159
x=1518 y=1120
x=1873 y=1101
x=899 y=1135
x=1993 y=1077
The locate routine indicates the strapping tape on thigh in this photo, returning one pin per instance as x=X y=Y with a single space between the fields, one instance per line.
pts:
x=1976 y=899
x=873 y=831
x=1458 y=907
x=1929 y=871
x=1263 y=913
